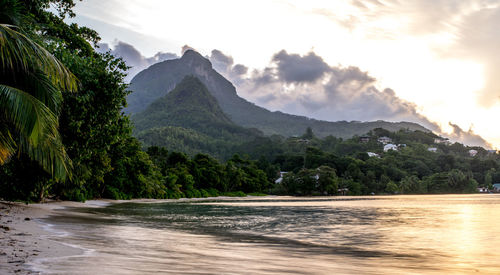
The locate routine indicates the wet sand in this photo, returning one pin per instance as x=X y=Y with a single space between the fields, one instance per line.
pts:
x=24 y=238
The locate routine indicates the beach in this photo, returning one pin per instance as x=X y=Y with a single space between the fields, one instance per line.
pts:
x=24 y=238
x=427 y=234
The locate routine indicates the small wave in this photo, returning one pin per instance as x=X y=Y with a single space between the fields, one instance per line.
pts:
x=41 y=264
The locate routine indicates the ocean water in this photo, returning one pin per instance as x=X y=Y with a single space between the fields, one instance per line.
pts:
x=431 y=234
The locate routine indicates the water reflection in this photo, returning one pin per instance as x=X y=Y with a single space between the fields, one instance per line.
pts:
x=368 y=235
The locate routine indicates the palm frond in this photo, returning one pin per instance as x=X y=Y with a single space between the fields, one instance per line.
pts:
x=50 y=154
x=7 y=144
x=40 y=86
x=37 y=128
x=27 y=114
x=19 y=53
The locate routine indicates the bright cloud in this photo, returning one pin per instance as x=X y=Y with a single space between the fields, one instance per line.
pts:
x=439 y=56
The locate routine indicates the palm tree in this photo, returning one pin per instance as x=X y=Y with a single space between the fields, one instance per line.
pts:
x=31 y=80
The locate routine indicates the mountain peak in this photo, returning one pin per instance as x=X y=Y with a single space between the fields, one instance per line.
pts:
x=188 y=104
x=195 y=58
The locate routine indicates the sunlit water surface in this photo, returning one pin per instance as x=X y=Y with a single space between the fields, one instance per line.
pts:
x=452 y=234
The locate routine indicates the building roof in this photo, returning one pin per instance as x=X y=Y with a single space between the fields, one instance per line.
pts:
x=390 y=147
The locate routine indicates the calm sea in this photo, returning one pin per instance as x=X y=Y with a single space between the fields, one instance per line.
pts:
x=445 y=234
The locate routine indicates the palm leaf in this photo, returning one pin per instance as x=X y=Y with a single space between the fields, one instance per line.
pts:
x=19 y=53
x=37 y=128
x=7 y=144
x=27 y=114
x=50 y=154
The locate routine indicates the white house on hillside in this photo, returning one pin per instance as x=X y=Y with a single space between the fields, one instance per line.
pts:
x=432 y=149
x=280 y=179
x=390 y=147
x=472 y=153
x=371 y=154
x=384 y=140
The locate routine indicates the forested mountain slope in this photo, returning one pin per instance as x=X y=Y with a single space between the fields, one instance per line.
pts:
x=161 y=78
x=189 y=119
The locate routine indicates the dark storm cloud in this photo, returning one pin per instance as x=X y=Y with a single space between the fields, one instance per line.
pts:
x=224 y=64
x=133 y=58
x=240 y=69
x=220 y=60
x=296 y=68
x=130 y=54
x=307 y=85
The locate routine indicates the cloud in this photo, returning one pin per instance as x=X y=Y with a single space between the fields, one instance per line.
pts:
x=471 y=25
x=467 y=137
x=307 y=85
x=186 y=48
x=295 y=68
x=133 y=58
x=479 y=40
x=224 y=64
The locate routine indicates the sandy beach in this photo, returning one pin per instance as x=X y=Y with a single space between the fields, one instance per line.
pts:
x=24 y=238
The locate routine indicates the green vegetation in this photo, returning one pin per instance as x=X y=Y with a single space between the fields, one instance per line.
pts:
x=204 y=176
x=31 y=80
x=412 y=169
x=195 y=146
x=93 y=131
x=160 y=78
x=188 y=119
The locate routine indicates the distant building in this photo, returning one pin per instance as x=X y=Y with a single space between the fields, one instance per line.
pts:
x=496 y=187
x=472 y=153
x=390 y=147
x=384 y=140
x=401 y=145
x=280 y=179
x=441 y=140
x=492 y=152
x=371 y=154
x=432 y=149
x=364 y=139
x=482 y=190
x=343 y=191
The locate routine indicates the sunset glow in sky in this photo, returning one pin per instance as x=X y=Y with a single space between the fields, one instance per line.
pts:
x=442 y=56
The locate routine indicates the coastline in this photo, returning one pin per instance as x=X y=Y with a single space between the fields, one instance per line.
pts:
x=26 y=239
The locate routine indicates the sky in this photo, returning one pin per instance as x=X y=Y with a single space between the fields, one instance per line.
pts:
x=435 y=62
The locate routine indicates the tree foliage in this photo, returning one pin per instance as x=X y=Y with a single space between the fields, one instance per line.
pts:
x=31 y=81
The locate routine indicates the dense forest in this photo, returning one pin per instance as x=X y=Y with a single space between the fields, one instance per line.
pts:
x=64 y=135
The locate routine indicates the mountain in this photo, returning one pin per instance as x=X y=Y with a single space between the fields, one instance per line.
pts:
x=189 y=119
x=159 y=79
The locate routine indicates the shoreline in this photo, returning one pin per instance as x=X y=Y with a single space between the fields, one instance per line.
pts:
x=26 y=240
